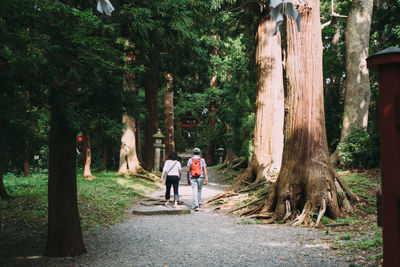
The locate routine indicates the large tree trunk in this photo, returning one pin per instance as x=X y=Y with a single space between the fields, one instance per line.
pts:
x=3 y=192
x=138 y=141
x=268 y=133
x=169 y=117
x=357 y=87
x=212 y=119
x=64 y=236
x=128 y=160
x=306 y=181
x=87 y=157
x=151 y=117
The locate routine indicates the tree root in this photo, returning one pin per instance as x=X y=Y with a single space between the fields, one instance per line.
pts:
x=288 y=211
x=353 y=197
x=303 y=217
x=244 y=205
x=89 y=178
x=225 y=194
x=321 y=212
x=144 y=177
x=241 y=163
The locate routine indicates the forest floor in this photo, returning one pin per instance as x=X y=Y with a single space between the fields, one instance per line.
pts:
x=208 y=238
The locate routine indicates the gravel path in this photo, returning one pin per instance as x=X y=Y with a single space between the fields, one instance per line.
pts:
x=201 y=238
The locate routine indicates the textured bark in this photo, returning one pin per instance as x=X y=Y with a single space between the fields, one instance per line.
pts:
x=152 y=116
x=306 y=180
x=64 y=237
x=87 y=157
x=268 y=131
x=357 y=87
x=128 y=160
x=212 y=120
x=3 y=192
x=169 y=117
x=138 y=141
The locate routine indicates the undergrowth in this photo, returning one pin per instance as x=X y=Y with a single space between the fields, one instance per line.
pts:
x=101 y=202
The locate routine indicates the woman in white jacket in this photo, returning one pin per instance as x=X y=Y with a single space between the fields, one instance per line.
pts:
x=171 y=174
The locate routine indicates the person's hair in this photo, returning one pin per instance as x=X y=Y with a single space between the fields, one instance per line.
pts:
x=173 y=156
x=196 y=152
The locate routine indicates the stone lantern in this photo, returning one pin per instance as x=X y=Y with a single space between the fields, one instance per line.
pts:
x=158 y=146
x=220 y=154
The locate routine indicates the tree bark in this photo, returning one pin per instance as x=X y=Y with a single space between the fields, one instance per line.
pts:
x=87 y=157
x=306 y=180
x=128 y=161
x=212 y=119
x=169 y=117
x=64 y=237
x=152 y=116
x=104 y=161
x=26 y=159
x=3 y=192
x=357 y=87
x=268 y=132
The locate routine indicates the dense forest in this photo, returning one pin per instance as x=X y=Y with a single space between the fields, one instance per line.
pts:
x=286 y=100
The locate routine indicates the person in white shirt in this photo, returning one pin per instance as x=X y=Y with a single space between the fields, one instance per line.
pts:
x=171 y=174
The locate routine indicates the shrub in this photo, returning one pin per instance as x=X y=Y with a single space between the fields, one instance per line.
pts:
x=360 y=149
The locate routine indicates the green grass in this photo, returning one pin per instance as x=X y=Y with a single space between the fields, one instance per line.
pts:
x=101 y=202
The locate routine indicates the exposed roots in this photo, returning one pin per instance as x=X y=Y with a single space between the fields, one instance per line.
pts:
x=288 y=211
x=303 y=218
x=321 y=212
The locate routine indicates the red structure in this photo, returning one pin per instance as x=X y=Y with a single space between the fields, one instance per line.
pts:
x=387 y=63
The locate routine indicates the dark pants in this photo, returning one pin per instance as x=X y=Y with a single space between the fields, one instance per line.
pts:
x=174 y=181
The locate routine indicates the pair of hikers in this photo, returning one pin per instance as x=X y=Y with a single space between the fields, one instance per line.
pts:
x=196 y=176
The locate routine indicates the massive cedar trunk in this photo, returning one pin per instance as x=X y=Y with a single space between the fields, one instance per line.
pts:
x=64 y=237
x=212 y=119
x=169 y=117
x=138 y=141
x=152 y=116
x=357 y=87
x=87 y=157
x=3 y=192
x=306 y=181
x=268 y=131
x=128 y=161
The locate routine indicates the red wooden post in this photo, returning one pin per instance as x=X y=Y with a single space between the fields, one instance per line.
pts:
x=387 y=63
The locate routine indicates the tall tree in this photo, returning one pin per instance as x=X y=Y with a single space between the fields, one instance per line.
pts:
x=3 y=192
x=357 y=86
x=128 y=159
x=87 y=157
x=169 y=116
x=306 y=181
x=268 y=131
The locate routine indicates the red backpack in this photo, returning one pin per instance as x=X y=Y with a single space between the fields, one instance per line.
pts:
x=195 y=168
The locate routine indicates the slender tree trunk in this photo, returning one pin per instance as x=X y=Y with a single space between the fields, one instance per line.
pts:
x=357 y=88
x=3 y=192
x=169 y=117
x=152 y=116
x=26 y=159
x=229 y=155
x=64 y=236
x=104 y=161
x=212 y=119
x=268 y=133
x=87 y=157
x=306 y=181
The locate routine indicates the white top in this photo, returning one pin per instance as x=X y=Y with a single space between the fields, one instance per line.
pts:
x=169 y=164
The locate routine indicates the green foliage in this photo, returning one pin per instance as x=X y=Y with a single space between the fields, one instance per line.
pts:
x=360 y=149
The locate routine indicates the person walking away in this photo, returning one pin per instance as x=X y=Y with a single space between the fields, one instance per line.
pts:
x=197 y=176
x=171 y=174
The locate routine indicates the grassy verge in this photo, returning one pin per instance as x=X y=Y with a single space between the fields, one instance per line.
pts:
x=101 y=202
x=361 y=241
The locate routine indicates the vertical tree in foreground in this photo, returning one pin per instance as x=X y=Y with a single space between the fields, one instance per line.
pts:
x=268 y=131
x=87 y=157
x=64 y=236
x=357 y=87
x=306 y=180
x=169 y=116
